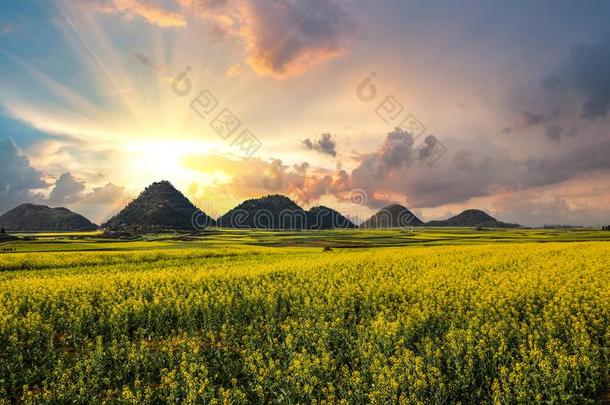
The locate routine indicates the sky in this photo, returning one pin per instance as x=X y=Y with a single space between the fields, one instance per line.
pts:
x=355 y=104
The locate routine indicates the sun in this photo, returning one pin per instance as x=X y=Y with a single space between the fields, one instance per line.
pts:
x=163 y=160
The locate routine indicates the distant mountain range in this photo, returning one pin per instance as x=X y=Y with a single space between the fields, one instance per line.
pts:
x=161 y=207
x=32 y=217
x=280 y=212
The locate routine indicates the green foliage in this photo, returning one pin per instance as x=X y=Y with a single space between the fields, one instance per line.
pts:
x=524 y=323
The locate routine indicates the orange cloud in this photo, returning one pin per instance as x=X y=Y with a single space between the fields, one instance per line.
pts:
x=153 y=14
x=285 y=39
x=233 y=71
x=255 y=177
x=282 y=38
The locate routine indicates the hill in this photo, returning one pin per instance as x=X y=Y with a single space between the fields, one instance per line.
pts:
x=159 y=207
x=269 y=212
x=322 y=217
x=39 y=218
x=280 y=212
x=7 y=238
x=392 y=216
x=472 y=218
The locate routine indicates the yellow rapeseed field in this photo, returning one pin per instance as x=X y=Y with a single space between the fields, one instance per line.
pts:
x=511 y=323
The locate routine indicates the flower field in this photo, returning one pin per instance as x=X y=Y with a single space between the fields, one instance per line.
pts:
x=510 y=323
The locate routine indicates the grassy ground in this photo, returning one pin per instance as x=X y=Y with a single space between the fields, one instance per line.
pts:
x=219 y=238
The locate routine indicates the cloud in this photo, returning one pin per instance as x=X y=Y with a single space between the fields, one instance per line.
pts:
x=256 y=177
x=475 y=169
x=282 y=38
x=528 y=119
x=67 y=190
x=233 y=71
x=144 y=9
x=379 y=174
x=571 y=99
x=567 y=165
x=18 y=179
x=148 y=62
x=397 y=150
x=325 y=145
x=385 y=174
x=396 y=172
x=204 y=7
x=101 y=203
x=21 y=183
x=399 y=172
x=482 y=168
x=430 y=146
x=106 y=194
x=586 y=72
x=554 y=133
x=471 y=168
x=285 y=38
x=97 y=204
x=530 y=208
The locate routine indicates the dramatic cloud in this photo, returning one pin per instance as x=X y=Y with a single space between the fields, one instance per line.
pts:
x=21 y=183
x=17 y=178
x=101 y=202
x=396 y=151
x=380 y=175
x=482 y=168
x=255 y=177
x=325 y=145
x=567 y=165
x=104 y=195
x=401 y=171
x=526 y=119
x=145 y=9
x=204 y=7
x=98 y=204
x=571 y=101
x=586 y=72
x=67 y=190
x=285 y=38
x=530 y=208
x=386 y=175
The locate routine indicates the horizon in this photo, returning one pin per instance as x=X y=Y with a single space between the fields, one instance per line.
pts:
x=439 y=108
x=356 y=219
